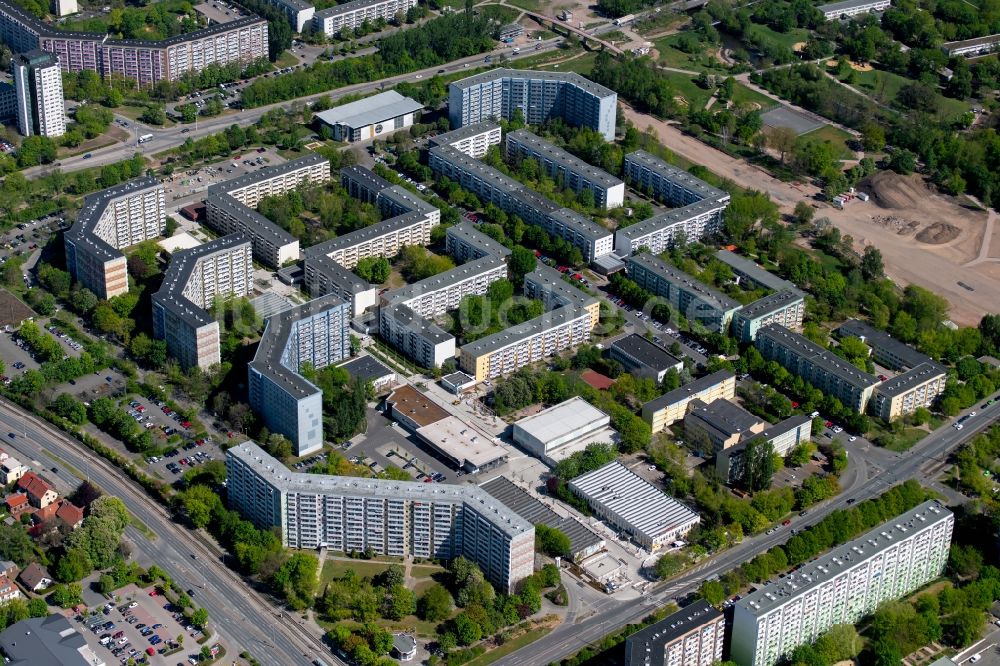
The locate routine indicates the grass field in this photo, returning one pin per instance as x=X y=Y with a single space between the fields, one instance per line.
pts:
x=424 y=571
x=744 y=95
x=685 y=86
x=530 y=5
x=837 y=137
x=510 y=646
x=364 y=568
x=787 y=39
x=286 y=59
x=885 y=86
x=672 y=56
x=582 y=65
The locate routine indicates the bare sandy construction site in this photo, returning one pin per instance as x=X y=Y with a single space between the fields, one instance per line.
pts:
x=926 y=238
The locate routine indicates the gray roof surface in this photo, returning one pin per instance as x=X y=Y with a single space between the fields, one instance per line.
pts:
x=94 y=205
x=827 y=360
x=267 y=173
x=562 y=419
x=250 y=218
x=724 y=416
x=468 y=232
x=877 y=339
x=677 y=175
x=569 y=78
x=522 y=503
x=364 y=234
x=910 y=379
x=367 y=368
x=770 y=303
x=346 y=7
x=519 y=332
x=687 y=282
x=833 y=562
x=582 y=224
x=43 y=641
x=367 y=177
x=563 y=158
x=178 y=274
x=841 y=6
x=754 y=272
x=445 y=280
x=462 y=133
x=551 y=281
x=988 y=40
x=689 y=389
x=344 y=278
x=370 y=110
x=276 y=473
x=638 y=502
x=670 y=218
x=646 y=351
x=646 y=646
x=427 y=329
x=267 y=359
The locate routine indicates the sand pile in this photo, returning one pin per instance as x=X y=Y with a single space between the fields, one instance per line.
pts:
x=938 y=233
x=888 y=189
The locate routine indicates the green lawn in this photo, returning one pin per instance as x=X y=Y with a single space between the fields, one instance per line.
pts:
x=787 y=39
x=582 y=65
x=907 y=439
x=286 y=59
x=695 y=96
x=424 y=571
x=885 y=86
x=831 y=134
x=510 y=646
x=530 y=5
x=744 y=95
x=364 y=568
x=672 y=56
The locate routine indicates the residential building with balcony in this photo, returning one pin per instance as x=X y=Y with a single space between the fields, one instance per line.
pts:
x=696 y=301
x=693 y=636
x=473 y=140
x=672 y=406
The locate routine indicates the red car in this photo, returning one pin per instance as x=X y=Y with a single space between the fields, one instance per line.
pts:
x=186 y=424
x=829 y=424
x=786 y=523
x=795 y=405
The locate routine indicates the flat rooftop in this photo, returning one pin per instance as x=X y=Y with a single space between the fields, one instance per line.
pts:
x=413 y=404
x=274 y=472
x=520 y=332
x=370 y=110
x=845 y=5
x=446 y=280
x=676 y=175
x=463 y=444
x=562 y=419
x=645 y=351
x=83 y=234
x=755 y=273
x=524 y=504
x=366 y=368
x=805 y=348
x=267 y=173
x=551 y=281
x=909 y=380
x=769 y=304
x=877 y=339
x=675 y=217
x=463 y=133
x=250 y=218
x=466 y=231
x=567 y=78
x=637 y=502
x=689 y=390
x=725 y=416
x=682 y=280
x=646 y=646
x=834 y=562
x=427 y=329
x=564 y=159
x=368 y=178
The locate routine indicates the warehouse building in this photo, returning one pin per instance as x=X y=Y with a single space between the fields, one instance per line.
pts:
x=634 y=506
x=473 y=140
x=370 y=117
x=672 y=406
x=111 y=220
x=562 y=430
x=696 y=301
x=842 y=586
x=540 y=96
x=693 y=636
x=566 y=169
x=316 y=333
x=221 y=268
x=395 y=518
x=583 y=542
x=822 y=368
x=644 y=358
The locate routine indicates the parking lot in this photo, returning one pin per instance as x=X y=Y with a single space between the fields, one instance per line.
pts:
x=388 y=443
x=142 y=626
x=188 y=183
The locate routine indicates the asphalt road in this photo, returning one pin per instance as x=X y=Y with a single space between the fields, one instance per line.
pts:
x=242 y=618
x=930 y=453
x=164 y=139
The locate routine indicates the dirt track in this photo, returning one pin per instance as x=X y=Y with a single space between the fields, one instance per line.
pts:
x=907 y=260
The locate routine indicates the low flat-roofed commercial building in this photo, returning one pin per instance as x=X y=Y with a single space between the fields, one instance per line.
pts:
x=465 y=242
x=395 y=518
x=111 y=220
x=464 y=446
x=885 y=349
x=458 y=382
x=561 y=430
x=724 y=423
x=972 y=48
x=350 y=15
x=693 y=636
x=46 y=641
x=822 y=368
x=696 y=301
x=849 y=8
x=564 y=167
x=644 y=358
x=747 y=271
x=370 y=117
x=634 y=506
x=368 y=369
x=583 y=541
x=905 y=393
x=786 y=308
x=317 y=333
x=672 y=406
x=473 y=140
x=221 y=268
x=842 y=585
x=539 y=96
